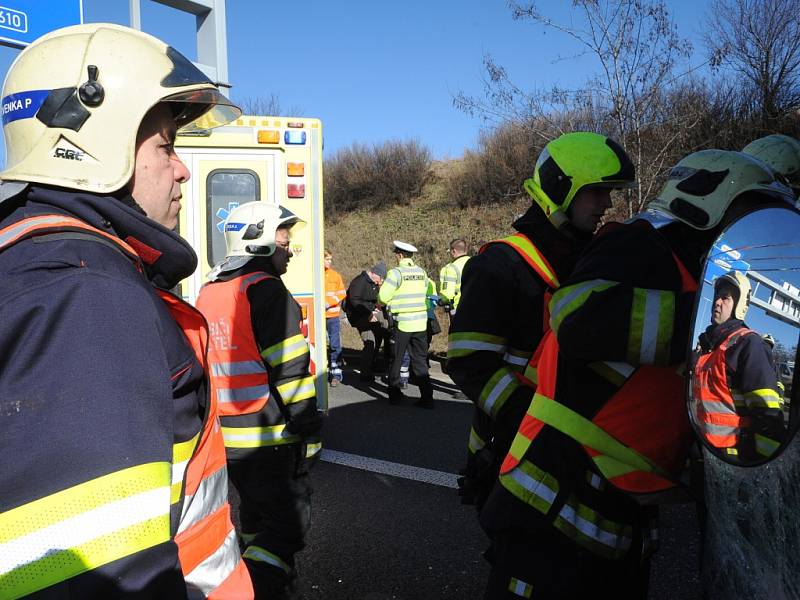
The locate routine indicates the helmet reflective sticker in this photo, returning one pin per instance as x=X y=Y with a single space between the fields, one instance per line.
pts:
x=233 y=226
x=22 y=105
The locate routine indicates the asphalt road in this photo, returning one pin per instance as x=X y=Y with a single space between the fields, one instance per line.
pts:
x=386 y=517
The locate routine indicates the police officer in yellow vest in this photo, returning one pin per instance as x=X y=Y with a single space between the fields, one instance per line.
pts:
x=404 y=292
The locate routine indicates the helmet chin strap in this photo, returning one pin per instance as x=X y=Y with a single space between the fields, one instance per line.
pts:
x=559 y=219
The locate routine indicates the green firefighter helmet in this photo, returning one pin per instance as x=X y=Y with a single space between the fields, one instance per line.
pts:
x=739 y=281
x=573 y=161
x=701 y=187
x=74 y=99
x=781 y=153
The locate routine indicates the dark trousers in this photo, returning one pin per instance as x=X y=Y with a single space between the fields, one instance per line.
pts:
x=275 y=514
x=547 y=566
x=372 y=336
x=417 y=345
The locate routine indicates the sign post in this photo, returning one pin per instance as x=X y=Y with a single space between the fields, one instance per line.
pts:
x=22 y=21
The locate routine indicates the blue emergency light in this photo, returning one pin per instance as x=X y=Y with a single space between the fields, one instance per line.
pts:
x=294 y=137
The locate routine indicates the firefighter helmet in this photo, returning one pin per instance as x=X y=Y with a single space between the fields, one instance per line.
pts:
x=742 y=285
x=701 y=187
x=573 y=161
x=781 y=153
x=74 y=99
x=250 y=232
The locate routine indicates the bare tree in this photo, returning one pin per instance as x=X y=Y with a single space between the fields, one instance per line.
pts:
x=271 y=106
x=759 y=40
x=636 y=45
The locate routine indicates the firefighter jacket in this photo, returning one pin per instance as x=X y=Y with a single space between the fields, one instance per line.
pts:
x=500 y=321
x=334 y=294
x=607 y=427
x=450 y=281
x=125 y=490
x=259 y=361
x=736 y=391
x=405 y=293
x=362 y=298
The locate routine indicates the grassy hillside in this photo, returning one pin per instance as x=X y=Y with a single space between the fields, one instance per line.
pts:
x=360 y=238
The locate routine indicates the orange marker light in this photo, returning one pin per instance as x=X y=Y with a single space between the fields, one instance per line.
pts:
x=269 y=136
x=294 y=169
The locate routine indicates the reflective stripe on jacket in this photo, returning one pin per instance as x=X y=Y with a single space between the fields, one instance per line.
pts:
x=215 y=570
x=405 y=293
x=335 y=292
x=250 y=417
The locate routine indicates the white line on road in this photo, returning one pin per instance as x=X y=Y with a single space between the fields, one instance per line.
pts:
x=390 y=468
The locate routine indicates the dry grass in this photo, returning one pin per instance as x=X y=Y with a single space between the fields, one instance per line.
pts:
x=360 y=238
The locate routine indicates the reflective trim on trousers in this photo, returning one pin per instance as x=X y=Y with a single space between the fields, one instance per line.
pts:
x=259 y=554
x=476 y=442
x=520 y=588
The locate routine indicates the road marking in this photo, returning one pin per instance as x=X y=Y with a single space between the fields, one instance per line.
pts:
x=390 y=468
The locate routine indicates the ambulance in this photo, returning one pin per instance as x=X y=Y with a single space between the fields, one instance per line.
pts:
x=265 y=159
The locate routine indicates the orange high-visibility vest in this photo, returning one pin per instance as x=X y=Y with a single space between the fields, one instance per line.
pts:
x=238 y=374
x=207 y=545
x=334 y=294
x=716 y=407
x=638 y=440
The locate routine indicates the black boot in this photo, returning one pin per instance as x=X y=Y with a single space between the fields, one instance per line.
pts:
x=395 y=395
x=426 y=393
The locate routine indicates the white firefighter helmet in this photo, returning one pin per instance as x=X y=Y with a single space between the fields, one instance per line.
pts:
x=74 y=99
x=781 y=153
x=740 y=282
x=702 y=186
x=250 y=232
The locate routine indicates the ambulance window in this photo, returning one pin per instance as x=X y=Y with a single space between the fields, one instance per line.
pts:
x=225 y=190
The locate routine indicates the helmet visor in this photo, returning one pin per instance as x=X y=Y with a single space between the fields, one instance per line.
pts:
x=202 y=109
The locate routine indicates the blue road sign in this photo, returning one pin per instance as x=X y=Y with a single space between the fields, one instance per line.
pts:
x=722 y=259
x=22 y=21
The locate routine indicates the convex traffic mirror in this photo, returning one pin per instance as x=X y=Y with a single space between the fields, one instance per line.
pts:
x=742 y=396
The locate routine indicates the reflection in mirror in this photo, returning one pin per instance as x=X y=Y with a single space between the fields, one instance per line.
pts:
x=742 y=394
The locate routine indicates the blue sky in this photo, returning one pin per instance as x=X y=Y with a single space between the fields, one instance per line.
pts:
x=374 y=71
